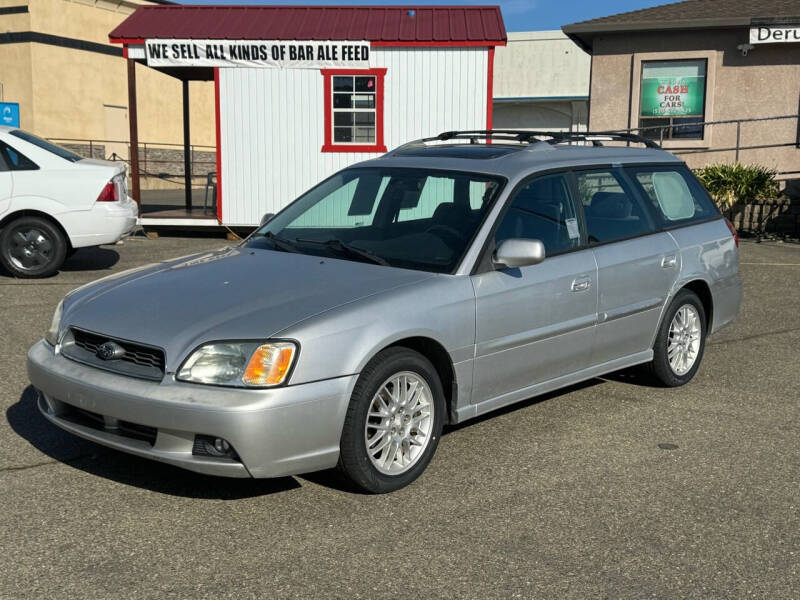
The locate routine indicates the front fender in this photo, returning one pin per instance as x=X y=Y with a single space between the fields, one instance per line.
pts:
x=342 y=341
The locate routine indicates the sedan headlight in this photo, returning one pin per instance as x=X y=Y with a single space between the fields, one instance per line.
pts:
x=52 y=334
x=245 y=364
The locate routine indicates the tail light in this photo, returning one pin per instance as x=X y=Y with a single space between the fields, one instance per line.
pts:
x=733 y=232
x=108 y=193
x=114 y=190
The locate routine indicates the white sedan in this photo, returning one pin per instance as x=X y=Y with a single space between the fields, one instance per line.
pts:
x=53 y=201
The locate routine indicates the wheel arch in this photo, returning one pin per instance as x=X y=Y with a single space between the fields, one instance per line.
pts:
x=703 y=291
x=440 y=358
x=698 y=286
x=32 y=212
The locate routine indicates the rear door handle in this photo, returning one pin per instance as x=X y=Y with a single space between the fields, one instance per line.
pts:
x=669 y=261
x=581 y=284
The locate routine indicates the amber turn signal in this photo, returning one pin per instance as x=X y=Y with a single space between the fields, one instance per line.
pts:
x=269 y=364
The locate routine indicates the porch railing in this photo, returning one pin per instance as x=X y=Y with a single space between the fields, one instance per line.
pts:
x=154 y=159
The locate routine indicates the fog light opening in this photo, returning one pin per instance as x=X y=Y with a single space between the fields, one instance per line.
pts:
x=209 y=445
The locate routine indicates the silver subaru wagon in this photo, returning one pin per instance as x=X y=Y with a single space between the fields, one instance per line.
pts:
x=451 y=277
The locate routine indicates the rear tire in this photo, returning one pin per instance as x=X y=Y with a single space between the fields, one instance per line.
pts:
x=393 y=422
x=32 y=247
x=681 y=340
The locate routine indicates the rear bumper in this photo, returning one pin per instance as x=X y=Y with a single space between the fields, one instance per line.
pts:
x=109 y=222
x=277 y=432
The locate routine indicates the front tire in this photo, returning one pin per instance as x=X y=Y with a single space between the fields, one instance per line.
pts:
x=681 y=340
x=32 y=247
x=393 y=422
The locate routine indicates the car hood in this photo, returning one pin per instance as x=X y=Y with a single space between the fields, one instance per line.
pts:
x=232 y=294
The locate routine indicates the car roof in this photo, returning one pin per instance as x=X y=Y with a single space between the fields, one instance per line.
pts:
x=511 y=160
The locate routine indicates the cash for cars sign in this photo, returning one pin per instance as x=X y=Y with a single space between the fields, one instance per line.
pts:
x=672 y=96
x=276 y=54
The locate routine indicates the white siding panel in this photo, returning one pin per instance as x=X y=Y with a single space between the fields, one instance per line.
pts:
x=272 y=121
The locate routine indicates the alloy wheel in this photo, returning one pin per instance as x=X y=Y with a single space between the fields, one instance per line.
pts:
x=683 y=343
x=399 y=423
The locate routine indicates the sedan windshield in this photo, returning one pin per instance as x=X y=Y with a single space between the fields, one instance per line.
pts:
x=411 y=218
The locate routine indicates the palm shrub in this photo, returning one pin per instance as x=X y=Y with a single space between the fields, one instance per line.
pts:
x=732 y=184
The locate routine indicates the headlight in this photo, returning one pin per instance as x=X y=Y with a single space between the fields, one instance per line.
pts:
x=246 y=364
x=52 y=334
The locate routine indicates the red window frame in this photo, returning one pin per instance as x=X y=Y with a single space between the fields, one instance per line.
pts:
x=329 y=145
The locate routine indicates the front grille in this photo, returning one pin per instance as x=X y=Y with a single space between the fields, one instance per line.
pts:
x=96 y=421
x=138 y=360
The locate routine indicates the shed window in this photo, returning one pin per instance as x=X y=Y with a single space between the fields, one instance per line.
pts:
x=673 y=99
x=354 y=110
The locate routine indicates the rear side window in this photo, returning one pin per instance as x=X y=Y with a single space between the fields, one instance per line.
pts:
x=14 y=160
x=677 y=197
x=613 y=211
x=542 y=209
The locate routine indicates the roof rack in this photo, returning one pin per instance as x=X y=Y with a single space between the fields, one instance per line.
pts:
x=523 y=136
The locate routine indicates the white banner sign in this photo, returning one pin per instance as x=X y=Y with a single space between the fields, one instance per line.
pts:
x=774 y=34
x=275 y=54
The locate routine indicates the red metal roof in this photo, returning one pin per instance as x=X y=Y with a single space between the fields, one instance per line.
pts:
x=393 y=25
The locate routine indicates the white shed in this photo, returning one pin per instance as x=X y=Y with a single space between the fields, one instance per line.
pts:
x=303 y=92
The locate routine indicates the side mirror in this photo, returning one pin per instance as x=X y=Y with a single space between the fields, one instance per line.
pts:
x=518 y=252
x=266 y=219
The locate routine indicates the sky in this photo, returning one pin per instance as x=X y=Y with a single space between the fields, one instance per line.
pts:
x=519 y=15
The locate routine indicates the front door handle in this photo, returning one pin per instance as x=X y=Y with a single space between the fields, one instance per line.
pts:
x=581 y=284
x=669 y=261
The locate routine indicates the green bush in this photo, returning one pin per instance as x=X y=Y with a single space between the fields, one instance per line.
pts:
x=731 y=184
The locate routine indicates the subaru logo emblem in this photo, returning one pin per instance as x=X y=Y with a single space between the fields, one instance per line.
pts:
x=110 y=351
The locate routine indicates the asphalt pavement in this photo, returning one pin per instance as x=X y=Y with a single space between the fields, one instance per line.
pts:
x=609 y=489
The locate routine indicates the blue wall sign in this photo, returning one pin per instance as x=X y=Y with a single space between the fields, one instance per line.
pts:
x=9 y=114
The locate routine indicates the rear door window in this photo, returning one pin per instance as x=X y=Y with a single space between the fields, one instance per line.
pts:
x=15 y=160
x=613 y=211
x=674 y=193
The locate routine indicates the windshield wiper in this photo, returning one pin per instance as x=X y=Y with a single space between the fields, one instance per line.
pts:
x=340 y=246
x=279 y=242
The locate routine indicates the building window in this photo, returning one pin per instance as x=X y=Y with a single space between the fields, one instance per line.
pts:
x=673 y=99
x=354 y=110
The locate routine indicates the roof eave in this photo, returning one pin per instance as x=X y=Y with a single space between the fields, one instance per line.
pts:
x=583 y=34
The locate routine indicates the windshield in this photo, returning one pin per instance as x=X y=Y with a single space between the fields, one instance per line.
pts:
x=45 y=145
x=412 y=218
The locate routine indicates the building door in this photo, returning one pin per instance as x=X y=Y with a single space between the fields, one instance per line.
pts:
x=117 y=132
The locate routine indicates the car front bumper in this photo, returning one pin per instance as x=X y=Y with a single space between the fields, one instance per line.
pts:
x=275 y=432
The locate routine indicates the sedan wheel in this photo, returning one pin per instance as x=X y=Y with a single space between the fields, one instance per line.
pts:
x=399 y=423
x=32 y=247
x=393 y=422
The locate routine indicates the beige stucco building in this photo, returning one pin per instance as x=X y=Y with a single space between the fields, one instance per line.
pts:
x=673 y=68
x=71 y=83
x=541 y=81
